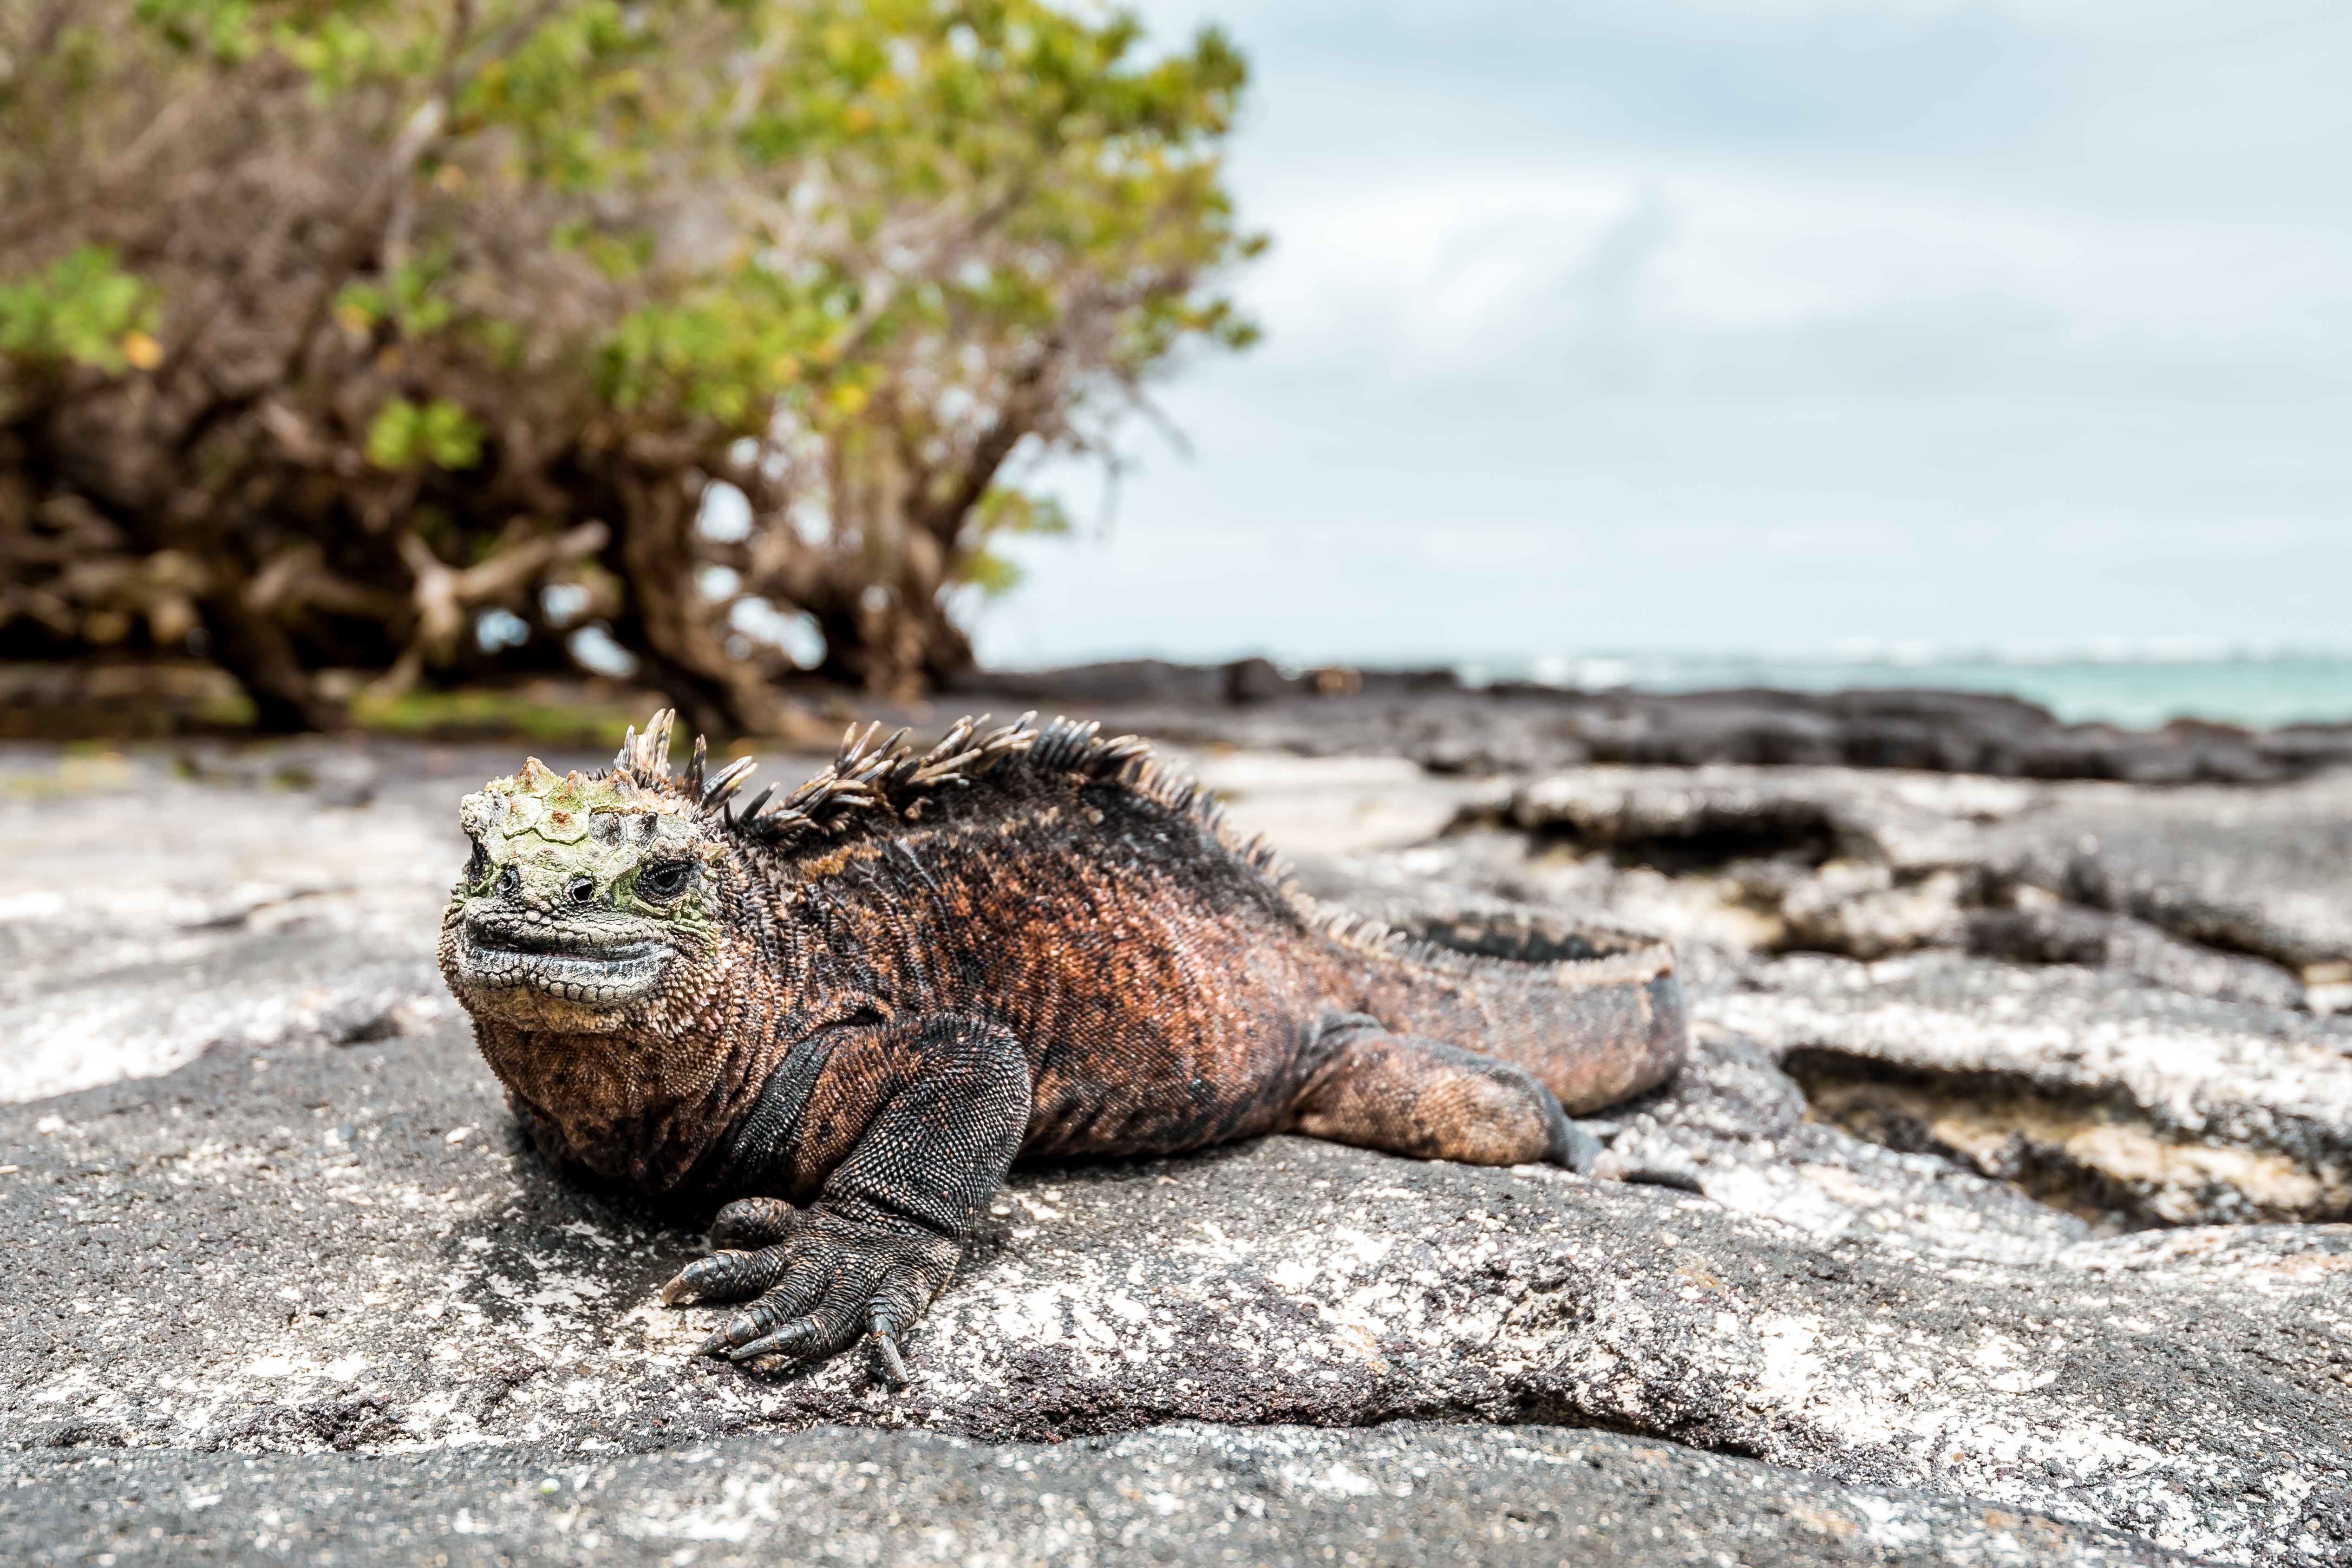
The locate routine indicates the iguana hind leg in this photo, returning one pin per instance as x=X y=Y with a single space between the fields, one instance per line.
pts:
x=1408 y=1095
x=1595 y=1013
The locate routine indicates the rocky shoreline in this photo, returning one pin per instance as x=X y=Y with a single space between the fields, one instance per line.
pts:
x=1517 y=728
x=1999 y=1219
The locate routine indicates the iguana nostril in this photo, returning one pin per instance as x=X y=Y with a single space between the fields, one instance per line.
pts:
x=512 y=882
x=582 y=890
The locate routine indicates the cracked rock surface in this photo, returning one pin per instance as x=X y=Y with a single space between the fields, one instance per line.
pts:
x=1935 y=1256
x=1872 y=862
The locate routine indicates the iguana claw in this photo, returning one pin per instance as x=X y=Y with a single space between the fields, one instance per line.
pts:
x=722 y=1277
x=803 y=1338
x=886 y=1350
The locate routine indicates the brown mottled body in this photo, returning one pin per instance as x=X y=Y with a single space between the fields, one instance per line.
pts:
x=1048 y=947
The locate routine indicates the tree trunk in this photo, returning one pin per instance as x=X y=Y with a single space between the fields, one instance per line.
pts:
x=904 y=645
x=899 y=650
x=721 y=695
x=257 y=650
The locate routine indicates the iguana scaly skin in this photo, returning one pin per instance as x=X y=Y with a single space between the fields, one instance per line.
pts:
x=849 y=1011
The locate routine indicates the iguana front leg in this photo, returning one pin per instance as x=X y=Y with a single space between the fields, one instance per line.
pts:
x=931 y=1111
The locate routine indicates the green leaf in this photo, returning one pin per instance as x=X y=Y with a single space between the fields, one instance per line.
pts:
x=78 y=310
x=1004 y=509
x=405 y=433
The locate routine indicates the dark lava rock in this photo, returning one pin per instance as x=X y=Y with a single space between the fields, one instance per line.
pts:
x=1408 y=1493
x=1517 y=728
x=336 y=1249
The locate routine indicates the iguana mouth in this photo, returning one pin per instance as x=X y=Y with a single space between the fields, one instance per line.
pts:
x=589 y=964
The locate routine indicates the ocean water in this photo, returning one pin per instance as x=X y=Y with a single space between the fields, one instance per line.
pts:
x=2137 y=685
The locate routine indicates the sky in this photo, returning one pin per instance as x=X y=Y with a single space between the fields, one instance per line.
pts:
x=1704 y=325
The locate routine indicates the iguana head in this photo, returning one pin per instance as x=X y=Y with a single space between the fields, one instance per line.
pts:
x=588 y=897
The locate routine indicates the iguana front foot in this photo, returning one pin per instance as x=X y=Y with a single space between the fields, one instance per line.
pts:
x=833 y=1278
x=736 y=1267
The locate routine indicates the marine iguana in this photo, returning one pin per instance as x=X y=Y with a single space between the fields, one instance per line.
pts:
x=848 y=1010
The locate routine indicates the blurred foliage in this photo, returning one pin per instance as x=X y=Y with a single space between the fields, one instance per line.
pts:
x=1004 y=509
x=407 y=338
x=503 y=714
x=405 y=434
x=83 y=309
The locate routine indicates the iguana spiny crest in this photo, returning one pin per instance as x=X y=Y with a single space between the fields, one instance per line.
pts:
x=601 y=882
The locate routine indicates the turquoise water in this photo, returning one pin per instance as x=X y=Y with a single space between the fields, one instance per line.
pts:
x=2137 y=688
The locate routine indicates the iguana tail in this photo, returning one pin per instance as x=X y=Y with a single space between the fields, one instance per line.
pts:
x=1594 y=1013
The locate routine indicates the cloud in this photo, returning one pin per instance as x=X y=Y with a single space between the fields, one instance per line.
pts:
x=1686 y=272
x=1689 y=322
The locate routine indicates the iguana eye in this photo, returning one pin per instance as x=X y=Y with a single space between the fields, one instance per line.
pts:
x=667 y=880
